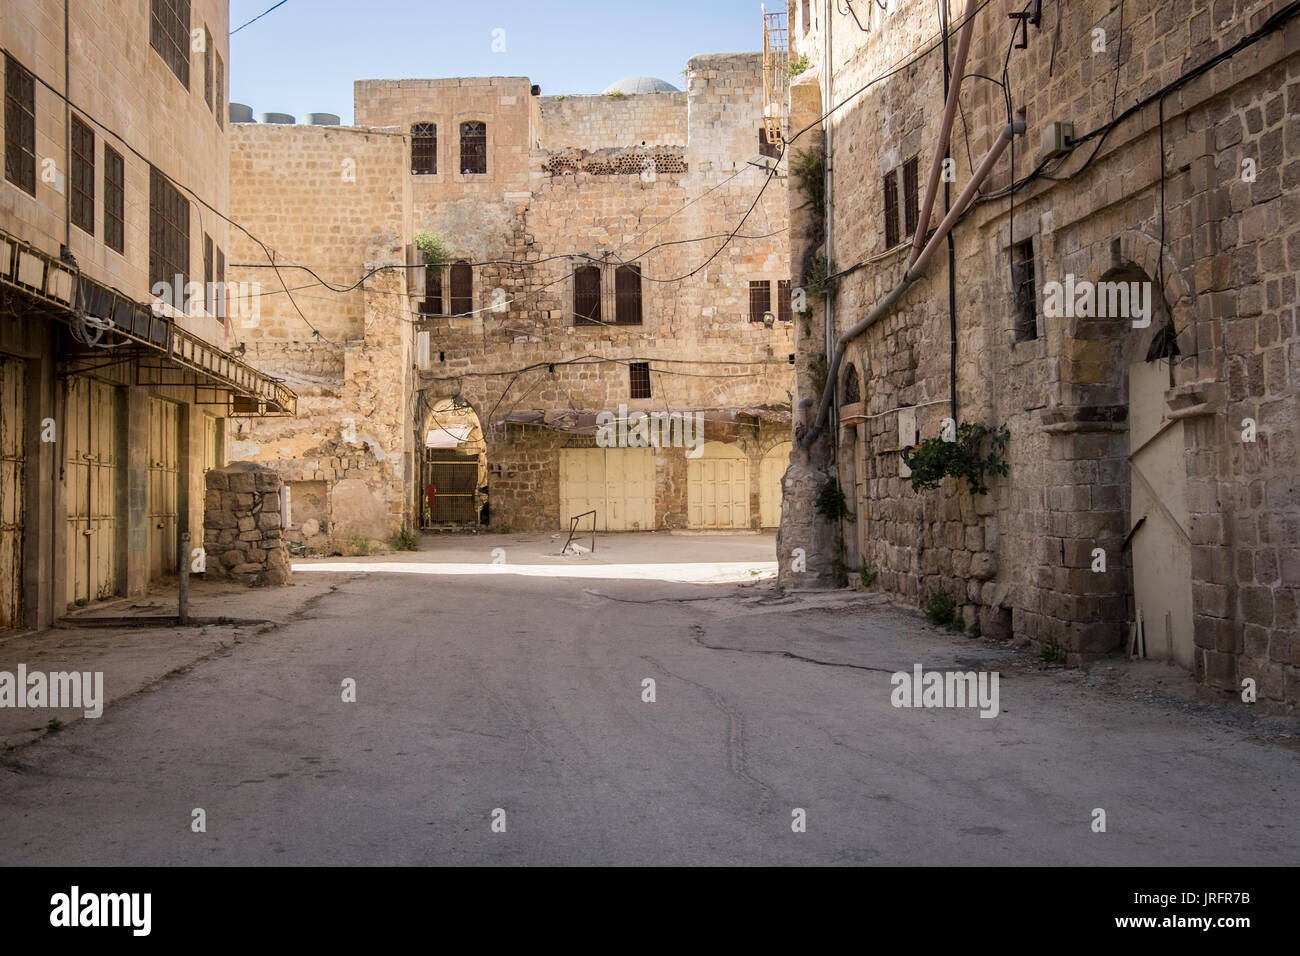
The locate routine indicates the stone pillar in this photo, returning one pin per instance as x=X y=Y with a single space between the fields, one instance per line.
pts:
x=241 y=525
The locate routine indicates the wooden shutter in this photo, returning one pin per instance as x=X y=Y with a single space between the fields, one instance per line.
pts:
x=891 y=209
x=462 y=289
x=586 y=296
x=627 y=295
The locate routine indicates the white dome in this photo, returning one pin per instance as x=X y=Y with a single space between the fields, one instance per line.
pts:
x=641 y=84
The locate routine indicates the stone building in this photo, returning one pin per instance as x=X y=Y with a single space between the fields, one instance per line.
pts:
x=116 y=375
x=586 y=274
x=1152 y=451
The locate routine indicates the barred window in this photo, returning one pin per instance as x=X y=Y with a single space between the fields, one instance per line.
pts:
x=911 y=197
x=169 y=233
x=209 y=293
x=473 y=147
x=586 y=296
x=169 y=34
x=627 y=295
x=784 y=304
x=462 y=289
x=81 y=178
x=760 y=299
x=20 y=126
x=639 y=379
x=424 y=148
x=431 y=304
x=221 y=281
x=114 y=199
x=208 y=67
x=1026 y=295
x=219 y=90
x=892 y=235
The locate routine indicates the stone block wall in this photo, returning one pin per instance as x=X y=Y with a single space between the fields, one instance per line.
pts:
x=242 y=525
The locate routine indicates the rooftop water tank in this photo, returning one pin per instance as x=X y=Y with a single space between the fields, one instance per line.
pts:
x=241 y=113
x=283 y=119
x=323 y=119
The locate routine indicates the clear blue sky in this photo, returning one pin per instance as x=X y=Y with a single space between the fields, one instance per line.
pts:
x=304 y=56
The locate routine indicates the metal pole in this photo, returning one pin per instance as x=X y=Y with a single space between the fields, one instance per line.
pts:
x=184 y=580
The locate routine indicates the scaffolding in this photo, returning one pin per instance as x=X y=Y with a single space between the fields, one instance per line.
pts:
x=776 y=76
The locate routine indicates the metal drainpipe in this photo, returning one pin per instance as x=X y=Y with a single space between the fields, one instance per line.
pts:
x=828 y=102
x=67 y=140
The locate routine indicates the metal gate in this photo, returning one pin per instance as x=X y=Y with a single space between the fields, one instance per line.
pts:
x=90 y=486
x=164 y=485
x=447 y=487
x=13 y=413
x=617 y=483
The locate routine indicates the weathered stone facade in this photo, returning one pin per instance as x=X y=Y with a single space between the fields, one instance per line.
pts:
x=652 y=180
x=1125 y=438
x=242 y=525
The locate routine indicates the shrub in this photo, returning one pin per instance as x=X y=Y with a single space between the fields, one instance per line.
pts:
x=798 y=65
x=939 y=607
x=433 y=246
x=934 y=459
x=830 y=501
x=406 y=540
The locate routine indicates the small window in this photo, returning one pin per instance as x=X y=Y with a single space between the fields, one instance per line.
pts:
x=1026 y=295
x=169 y=34
x=431 y=304
x=911 y=198
x=169 y=234
x=81 y=179
x=20 y=126
x=586 y=296
x=208 y=67
x=219 y=90
x=473 y=147
x=209 y=262
x=462 y=289
x=760 y=299
x=765 y=148
x=639 y=379
x=627 y=295
x=114 y=199
x=784 y=303
x=892 y=235
x=221 y=284
x=424 y=149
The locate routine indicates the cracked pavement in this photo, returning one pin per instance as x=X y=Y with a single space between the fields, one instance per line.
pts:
x=524 y=693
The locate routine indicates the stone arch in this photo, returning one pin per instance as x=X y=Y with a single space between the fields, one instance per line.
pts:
x=452 y=462
x=851 y=391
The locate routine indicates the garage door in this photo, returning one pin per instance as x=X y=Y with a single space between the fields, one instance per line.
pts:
x=164 y=485
x=13 y=410
x=717 y=488
x=770 y=471
x=90 y=467
x=617 y=483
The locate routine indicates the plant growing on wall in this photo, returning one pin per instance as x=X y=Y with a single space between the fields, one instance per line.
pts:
x=433 y=246
x=934 y=459
x=810 y=166
x=798 y=65
x=830 y=501
x=820 y=283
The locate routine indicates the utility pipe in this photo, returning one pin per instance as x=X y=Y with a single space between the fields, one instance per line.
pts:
x=945 y=130
x=909 y=277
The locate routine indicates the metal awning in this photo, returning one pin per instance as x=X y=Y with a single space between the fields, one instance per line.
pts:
x=41 y=277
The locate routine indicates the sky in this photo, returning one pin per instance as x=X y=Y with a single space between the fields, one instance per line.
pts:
x=303 y=57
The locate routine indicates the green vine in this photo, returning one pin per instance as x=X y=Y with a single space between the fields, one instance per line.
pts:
x=810 y=166
x=820 y=283
x=798 y=65
x=935 y=459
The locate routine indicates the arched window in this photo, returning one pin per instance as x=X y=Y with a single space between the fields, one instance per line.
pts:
x=473 y=147
x=424 y=148
x=586 y=296
x=852 y=387
x=627 y=295
x=462 y=289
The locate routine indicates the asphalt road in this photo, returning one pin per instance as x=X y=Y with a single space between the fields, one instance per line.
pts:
x=523 y=694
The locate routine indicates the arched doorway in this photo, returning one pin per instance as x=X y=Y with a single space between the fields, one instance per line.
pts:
x=452 y=492
x=770 y=471
x=717 y=488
